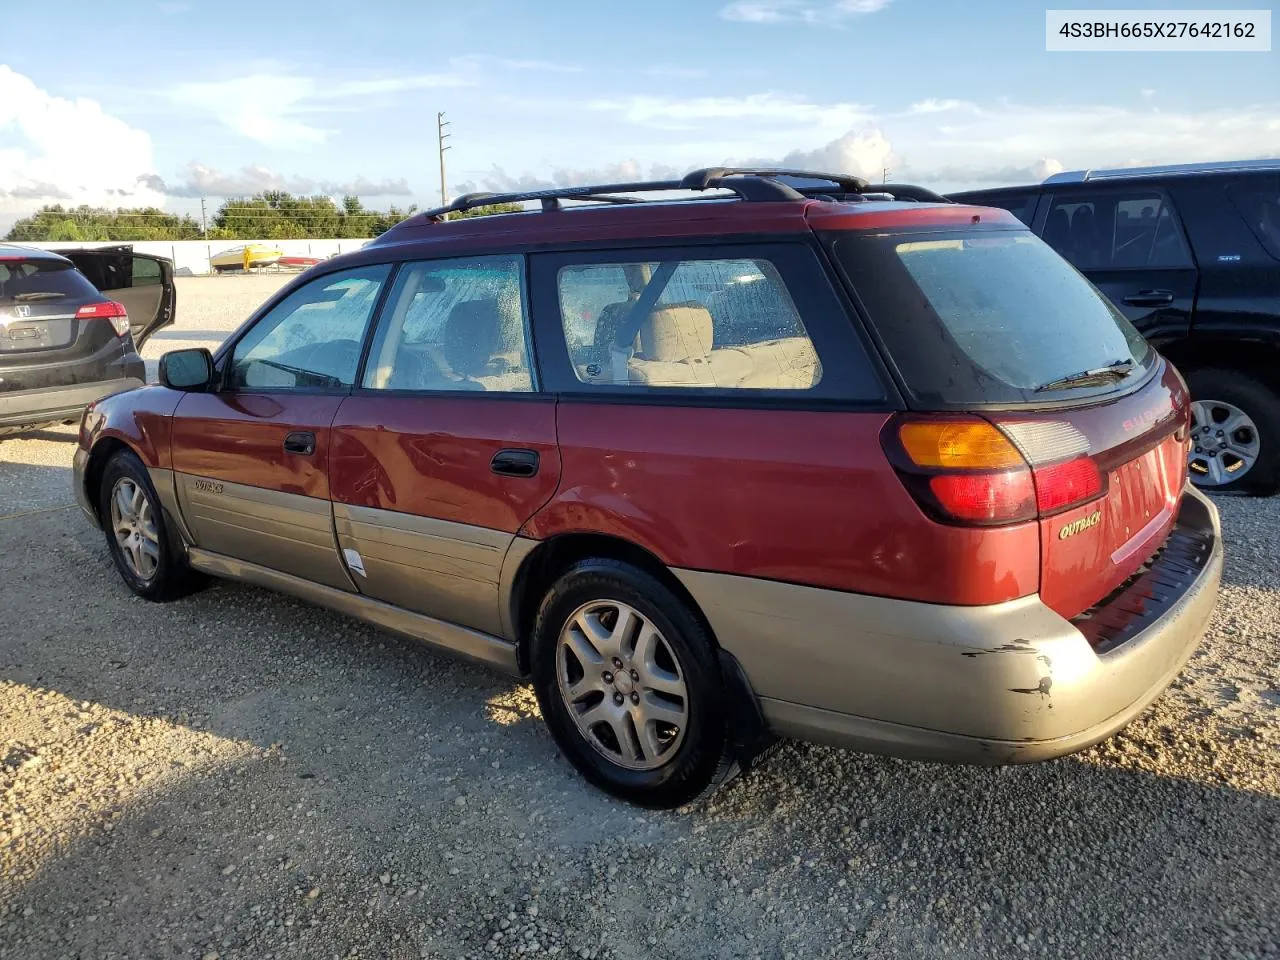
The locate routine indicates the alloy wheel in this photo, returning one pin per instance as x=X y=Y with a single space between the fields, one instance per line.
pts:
x=1224 y=443
x=133 y=524
x=622 y=684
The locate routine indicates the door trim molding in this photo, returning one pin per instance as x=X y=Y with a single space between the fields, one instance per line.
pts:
x=471 y=644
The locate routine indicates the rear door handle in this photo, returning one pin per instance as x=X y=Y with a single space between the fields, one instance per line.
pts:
x=515 y=463
x=303 y=443
x=1150 y=298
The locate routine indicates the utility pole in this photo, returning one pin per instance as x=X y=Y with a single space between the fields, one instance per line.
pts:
x=885 y=176
x=441 y=136
x=204 y=225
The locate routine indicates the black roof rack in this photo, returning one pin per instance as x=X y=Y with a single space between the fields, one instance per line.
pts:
x=748 y=183
x=909 y=191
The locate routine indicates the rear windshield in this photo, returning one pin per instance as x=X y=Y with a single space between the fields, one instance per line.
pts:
x=992 y=317
x=41 y=281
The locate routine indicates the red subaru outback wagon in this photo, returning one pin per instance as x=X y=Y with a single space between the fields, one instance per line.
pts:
x=789 y=457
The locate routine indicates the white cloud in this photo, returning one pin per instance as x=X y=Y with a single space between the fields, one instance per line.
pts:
x=199 y=180
x=943 y=143
x=57 y=150
x=1147 y=93
x=830 y=12
x=670 y=113
x=497 y=180
x=866 y=153
x=934 y=105
x=270 y=108
x=677 y=72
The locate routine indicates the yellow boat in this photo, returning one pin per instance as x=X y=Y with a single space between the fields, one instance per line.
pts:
x=245 y=257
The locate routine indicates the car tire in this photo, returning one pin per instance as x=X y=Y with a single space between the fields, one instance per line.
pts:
x=667 y=699
x=1217 y=397
x=146 y=552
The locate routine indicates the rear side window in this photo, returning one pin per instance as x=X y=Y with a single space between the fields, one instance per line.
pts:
x=1259 y=204
x=995 y=317
x=713 y=323
x=1117 y=231
x=42 y=281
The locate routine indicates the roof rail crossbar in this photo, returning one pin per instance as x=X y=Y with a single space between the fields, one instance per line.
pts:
x=747 y=183
x=469 y=201
x=909 y=191
x=714 y=177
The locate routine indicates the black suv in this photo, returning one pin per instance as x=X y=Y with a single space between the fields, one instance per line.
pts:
x=71 y=324
x=1190 y=254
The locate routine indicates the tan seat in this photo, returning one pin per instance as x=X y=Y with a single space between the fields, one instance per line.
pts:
x=675 y=347
x=677 y=351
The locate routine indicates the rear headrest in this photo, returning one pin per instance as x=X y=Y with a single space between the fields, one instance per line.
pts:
x=1058 y=228
x=470 y=336
x=678 y=331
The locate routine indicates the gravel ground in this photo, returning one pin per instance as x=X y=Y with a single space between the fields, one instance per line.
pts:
x=240 y=775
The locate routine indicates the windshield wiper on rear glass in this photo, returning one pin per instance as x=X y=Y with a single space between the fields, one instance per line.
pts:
x=36 y=295
x=1116 y=370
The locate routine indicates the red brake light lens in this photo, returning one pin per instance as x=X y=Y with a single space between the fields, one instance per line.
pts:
x=1066 y=484
x=106 y=310
x=985 y=497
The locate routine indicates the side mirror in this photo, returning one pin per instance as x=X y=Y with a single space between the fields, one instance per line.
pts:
x=190 y=370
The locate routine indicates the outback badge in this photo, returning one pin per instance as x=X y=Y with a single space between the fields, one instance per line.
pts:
x=1076 y=526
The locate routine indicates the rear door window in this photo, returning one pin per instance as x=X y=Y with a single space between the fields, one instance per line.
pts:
x=1259 y=204
x=994 y=317
x=1105 y=230
x=454 y=325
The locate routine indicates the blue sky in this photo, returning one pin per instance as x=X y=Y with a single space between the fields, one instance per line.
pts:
x=165 y=102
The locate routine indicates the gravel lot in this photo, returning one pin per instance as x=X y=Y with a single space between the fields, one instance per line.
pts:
x=240 y=775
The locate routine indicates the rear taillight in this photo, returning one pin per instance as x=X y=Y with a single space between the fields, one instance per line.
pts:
x=967 y=470
x=1064 y=485
x=106 y=310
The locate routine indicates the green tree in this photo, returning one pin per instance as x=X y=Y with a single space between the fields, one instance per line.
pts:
x=55 y=222
x=487 y=210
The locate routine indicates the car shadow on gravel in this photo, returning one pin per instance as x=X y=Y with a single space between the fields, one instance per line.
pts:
x=374 y=758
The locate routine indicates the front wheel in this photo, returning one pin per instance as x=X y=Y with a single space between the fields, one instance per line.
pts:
x=630 y=686
x=1235 y=433
x=146 y=555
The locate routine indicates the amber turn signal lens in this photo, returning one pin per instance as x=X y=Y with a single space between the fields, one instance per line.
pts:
x=958 y=445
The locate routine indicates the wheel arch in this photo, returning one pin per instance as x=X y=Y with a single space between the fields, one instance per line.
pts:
x=553 y=556
x=749 y=734
x=100 y=455
x=1259 y=357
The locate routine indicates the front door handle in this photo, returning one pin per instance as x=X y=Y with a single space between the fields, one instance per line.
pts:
x=1150 y=298
x=515 y=463
x=302 y=442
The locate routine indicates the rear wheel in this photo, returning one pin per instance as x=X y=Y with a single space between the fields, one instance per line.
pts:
x=630 y=686
x=147 y=556
x=1235 y=433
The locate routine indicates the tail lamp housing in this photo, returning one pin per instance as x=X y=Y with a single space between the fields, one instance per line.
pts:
x=969 y=471
x=106 y=310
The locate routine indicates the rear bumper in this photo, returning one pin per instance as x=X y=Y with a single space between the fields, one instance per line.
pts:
x=1014 y=682
x=29 y=408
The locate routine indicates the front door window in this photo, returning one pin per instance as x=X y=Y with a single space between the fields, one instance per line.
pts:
x=310 y=340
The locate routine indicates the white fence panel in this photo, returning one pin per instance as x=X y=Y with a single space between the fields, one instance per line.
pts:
x=192 y=256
